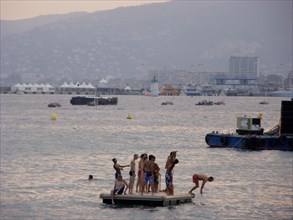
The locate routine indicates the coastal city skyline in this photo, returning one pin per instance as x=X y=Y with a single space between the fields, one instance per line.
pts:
x=146 y=109
x=127 y=46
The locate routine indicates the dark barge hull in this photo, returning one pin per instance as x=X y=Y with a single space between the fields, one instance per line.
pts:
x=252 y=142
x=256 y=140
x=83 y=100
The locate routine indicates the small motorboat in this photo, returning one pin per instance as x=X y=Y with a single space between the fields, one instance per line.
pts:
x=54 y=104
x=205 y=102
x=263 y=102
x=167 y=103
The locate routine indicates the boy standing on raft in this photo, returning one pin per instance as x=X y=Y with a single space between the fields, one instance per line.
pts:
x=132 y=173
x=170 y=158
x=139 y=183
x=149 y=173
x=169 y=177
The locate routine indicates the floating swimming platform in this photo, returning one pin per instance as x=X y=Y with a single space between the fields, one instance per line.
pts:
x=158 y=199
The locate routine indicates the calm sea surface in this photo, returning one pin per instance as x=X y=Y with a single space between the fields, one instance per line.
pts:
x=45 y=163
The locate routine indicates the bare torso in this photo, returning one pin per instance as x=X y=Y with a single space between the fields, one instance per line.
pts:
x=149 y=166
x=202 y=177
x=132 y=165
x=140 y=164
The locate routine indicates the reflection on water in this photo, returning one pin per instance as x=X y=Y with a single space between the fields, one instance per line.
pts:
x=45 y=164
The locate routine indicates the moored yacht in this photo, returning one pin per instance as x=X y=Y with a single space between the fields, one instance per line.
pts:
x=191 y=90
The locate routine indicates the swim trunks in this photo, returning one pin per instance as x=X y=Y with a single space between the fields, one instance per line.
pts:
x=195 y=179
x=120 y=191
x=116 y=175
x=139 y=173
x=131 y=172
x=148 y=178
x=168 y=179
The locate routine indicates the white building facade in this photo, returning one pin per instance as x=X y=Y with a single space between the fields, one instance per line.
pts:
x=243 y=73
x=243 y=67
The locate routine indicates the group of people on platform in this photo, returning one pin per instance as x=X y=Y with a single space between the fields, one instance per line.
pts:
x=148 y=175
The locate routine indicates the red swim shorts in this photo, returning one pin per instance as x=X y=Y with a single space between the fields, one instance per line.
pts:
x=195 y=179
x=139 y=173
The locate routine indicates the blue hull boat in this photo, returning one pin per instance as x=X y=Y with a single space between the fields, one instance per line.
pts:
x=252 y=142
x=250 y=135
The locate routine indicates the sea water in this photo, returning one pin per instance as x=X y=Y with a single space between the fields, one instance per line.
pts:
x=45 y=163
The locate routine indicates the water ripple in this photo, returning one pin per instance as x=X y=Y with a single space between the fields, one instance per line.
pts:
x=45 y=164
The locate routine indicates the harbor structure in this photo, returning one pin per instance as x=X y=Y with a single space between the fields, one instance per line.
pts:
x=155 y=87
x=243 y=73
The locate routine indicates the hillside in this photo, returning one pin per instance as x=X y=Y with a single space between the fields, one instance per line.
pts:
x=127 y=42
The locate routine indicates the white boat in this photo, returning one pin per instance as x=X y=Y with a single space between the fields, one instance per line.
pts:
x=282 y=93
x=193 y=90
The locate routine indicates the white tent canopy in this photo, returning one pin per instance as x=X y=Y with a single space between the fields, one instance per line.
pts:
x=72 y=85
x=33 y=88
x=127 y=88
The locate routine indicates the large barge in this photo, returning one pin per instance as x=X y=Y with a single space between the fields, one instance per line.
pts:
x=84 y=100
x=250 y=134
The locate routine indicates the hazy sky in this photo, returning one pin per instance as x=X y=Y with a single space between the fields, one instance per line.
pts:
x=20 y=9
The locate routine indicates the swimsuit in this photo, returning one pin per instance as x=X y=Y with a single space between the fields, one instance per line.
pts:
x=120 y=191
x=195 y=179
x=140 y=172
x=168 y=179
x=116 y=175
x=131 y=173
x=118 y=172
x=148 y=177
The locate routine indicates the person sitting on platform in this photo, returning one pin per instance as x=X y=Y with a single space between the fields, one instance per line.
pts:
x=196 y=178
x=119 y=187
